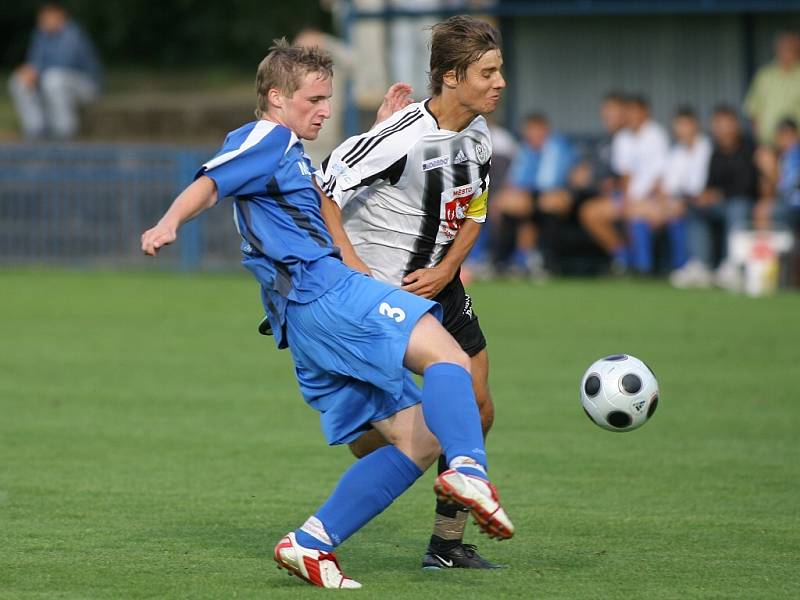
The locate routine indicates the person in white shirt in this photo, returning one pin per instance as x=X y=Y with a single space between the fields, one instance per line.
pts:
x=639 y=154
x=682 y=178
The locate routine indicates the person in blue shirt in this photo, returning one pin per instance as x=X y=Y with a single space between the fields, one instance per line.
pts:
x=353 y=339
x=61 y=72
x=783 y=207
x=532 y=200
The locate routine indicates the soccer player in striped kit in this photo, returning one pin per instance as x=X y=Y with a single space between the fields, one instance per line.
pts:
x=405 y=202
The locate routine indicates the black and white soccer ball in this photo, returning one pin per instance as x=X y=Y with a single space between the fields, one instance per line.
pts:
x=619 y=392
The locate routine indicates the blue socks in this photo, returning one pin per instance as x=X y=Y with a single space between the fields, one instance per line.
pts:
x=372 y=483
x=620 y=257
x=448 y=404
x=366 y=489
x=678 y=243
x=641 y=246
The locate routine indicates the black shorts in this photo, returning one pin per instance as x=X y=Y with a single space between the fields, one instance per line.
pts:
x=459 y=318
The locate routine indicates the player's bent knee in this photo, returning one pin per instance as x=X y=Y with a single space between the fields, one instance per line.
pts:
x=423 y=450
x=367 y=443
x=460 y=358
x=431 y=344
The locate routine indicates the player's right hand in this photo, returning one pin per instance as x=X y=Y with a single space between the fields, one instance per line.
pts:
x=397 y=97
x=153 y=239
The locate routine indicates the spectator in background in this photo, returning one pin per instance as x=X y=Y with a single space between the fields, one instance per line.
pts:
x=642 y=158
x=783 y=207
x=639 y=155
x=598 y=212
x=775 y=91
x=504 y=150
x=725 y=203
x=61 y=72
x=530 y=201
x=683 y=181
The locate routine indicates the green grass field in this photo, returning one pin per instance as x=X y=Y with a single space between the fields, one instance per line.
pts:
x=152 y=445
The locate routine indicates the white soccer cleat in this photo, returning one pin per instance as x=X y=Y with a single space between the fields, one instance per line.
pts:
x=480 y=497
x=316 y=567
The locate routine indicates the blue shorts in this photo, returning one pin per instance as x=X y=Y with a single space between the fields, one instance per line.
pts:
x=348 y=347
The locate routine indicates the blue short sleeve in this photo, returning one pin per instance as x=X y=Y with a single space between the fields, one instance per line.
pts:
x=522 y=173
x=248 y=159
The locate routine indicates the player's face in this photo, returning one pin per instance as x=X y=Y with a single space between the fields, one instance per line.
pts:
x=306 y=111
x=480 y=89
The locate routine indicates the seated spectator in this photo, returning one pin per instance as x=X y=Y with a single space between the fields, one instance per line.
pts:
x=783 y=207
x=682 y=181
x=598 y=210
x=531 y=197
x=504 y=150
x=639 y=153
x=61 y=73
x=730 y=190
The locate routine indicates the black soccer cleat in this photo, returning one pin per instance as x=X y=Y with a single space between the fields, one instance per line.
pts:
x=264 y=327
x=462 y=556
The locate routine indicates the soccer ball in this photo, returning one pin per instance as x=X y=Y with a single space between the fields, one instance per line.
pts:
x=619 y=392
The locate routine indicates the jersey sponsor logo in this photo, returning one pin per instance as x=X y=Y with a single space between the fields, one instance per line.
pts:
x=346 y=179
x=462 y=190
x=481 y=153
x=460 y=158
x=436 y=163
x=304 y=170
x=398 y=314
x=455 y=202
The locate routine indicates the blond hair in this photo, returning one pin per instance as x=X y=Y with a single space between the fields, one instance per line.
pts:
x=284 y=67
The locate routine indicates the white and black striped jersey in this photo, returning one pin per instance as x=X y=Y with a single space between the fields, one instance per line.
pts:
x=406 y=186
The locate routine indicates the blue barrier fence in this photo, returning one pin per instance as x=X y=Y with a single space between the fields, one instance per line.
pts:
x=87 y=204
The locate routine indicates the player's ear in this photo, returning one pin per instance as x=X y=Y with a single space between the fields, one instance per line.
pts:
x=450 y=79
x=275 y=98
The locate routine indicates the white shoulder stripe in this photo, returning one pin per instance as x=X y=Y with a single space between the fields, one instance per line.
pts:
x=258 y=133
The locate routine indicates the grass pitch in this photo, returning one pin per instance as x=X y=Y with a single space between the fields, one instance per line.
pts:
x=152 y=445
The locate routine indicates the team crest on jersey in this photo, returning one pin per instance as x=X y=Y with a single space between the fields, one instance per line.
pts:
x=460 y=158
x=455 y=202
x=436 y=163
x=481 y=153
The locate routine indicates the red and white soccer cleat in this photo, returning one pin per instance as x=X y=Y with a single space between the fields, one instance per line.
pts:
x=316 y=567
x=480 y=497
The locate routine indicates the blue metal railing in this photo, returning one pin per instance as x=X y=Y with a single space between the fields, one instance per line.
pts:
x=87 y=204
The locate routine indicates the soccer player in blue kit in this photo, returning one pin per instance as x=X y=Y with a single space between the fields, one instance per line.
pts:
x=353 y=339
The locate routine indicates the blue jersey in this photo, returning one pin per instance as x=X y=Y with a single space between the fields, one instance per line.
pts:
x=285 y=243
x=543 y=169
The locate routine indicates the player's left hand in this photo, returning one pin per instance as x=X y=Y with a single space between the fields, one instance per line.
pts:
x=427 y=282
x=397 y=97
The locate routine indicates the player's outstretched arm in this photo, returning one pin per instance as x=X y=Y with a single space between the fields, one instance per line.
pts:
x=332 y=215
x=197 y=197
x=397 y=97
x=429 y=282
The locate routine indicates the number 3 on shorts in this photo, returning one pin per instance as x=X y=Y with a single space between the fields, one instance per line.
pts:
x=398 y=314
